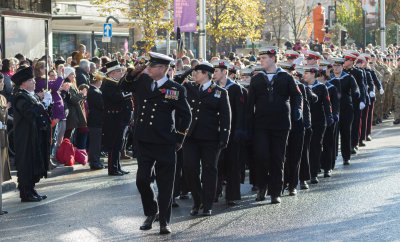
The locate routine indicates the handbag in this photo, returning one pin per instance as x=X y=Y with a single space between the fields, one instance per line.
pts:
x=81 y=156
x=66 y=153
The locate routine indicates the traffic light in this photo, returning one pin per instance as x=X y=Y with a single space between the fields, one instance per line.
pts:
x=343 y=37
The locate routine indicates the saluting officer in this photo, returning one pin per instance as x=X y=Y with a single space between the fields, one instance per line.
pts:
x=321 y=116
x=268 y=114
x=157 y=134
x=113 y=128
x=347 y=87
x=207 y=136
x=229 y=166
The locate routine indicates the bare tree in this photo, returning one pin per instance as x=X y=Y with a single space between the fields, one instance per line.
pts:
x=298 y=14
x=277 y=17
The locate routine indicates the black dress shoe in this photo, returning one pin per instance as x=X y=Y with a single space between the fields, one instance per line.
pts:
x=327 y=173
x=148 y=223
x=261 y=194
x=207 y=212
x=292 y=191
x=304 y=185
x=30 y=197
x=115 y=173
x=369 y=138
x=174 y=203
x=373 y=123
x=37 y=195
x=124 y=172
x=184 y=196
x=346 y=162
x=165 y=229
x=314 y=180
x=96 y=167
x=353 y=151
x=275 y=200
x=362 y=143
x=231 y=203
x=194 y=211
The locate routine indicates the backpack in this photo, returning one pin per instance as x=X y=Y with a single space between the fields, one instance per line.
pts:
x=66 y=153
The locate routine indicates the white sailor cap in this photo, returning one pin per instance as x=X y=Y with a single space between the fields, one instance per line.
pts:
x=246 y=72
x=205 y=66
x=157 y=58
x=222 y=64
x=273 y=50
x=314 y=55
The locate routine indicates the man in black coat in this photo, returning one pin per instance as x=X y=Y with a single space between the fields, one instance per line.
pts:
x=95 y=122
x=82 y=73
x=32 y=127
x=113 y=125
x=208 y=135
x=268 y=119
x=229 y=164
x=159 y=101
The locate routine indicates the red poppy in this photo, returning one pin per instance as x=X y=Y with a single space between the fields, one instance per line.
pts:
x=163 y=91
x=209 y=90
x=272 y=51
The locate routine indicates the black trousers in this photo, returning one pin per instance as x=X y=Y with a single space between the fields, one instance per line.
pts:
x=346 y=119
x=114 y=155
x=370 y=118
x=364 y=123
x=269 y=149
x=355 y=126
x=207 y=152
x=180 y=183
x=156 y=162
x=316 y=149
x=251 y=163
x=305 y=157
x=293 y=157
x=328 y=155
x=229 y=169
x=94 y=145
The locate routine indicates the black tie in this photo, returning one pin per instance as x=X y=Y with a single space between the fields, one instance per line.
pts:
x=201 y=88
x=155 y=86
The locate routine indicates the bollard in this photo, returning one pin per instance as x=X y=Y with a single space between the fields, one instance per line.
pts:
x=1 y=188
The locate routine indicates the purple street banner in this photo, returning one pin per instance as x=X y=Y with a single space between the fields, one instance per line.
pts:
x=185 y=15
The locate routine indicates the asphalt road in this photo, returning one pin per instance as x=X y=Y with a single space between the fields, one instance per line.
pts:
x=360 y=202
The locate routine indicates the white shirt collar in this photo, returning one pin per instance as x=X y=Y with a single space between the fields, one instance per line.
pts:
x=162 y=81
x=206 y=85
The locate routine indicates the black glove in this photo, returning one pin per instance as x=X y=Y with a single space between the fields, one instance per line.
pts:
x=222 y=145
x=181 y=78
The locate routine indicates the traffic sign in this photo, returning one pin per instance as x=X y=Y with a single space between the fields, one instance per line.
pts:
x=106 y=39
x=107 y=30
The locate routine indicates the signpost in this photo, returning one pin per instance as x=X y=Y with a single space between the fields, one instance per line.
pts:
x=107 y=33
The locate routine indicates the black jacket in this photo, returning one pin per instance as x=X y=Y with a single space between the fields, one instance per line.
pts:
x=271 y=109
x=334 y=98
x=347 y=88
x=82 y=77
x=321 y=110
x=358 y=76
x=96 y=107
x=211 y=119
x=237 y=103
x=155 y=121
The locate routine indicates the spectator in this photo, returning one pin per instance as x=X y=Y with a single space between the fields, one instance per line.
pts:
x=20 y=57
x=83 y=132
x=82 y=73
x=190 y=54
x=179 y=65
x=81 y=54
x=76 y=111
x=95 y=122
x=194 y=63
x=6 y=172
x=8 y=73
x=96 y=60
x=186 y=60
x=92 y=70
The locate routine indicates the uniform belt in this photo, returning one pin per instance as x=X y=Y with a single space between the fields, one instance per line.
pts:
x=113 y=111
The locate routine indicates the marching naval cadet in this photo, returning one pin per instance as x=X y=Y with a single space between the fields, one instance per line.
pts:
x=229 y=164
x=312 y=58
x=348 y=89
x=328 y=155
x=157 y=135
x=321 y=117
x=296 y=138
x=358 y=103
x=116 y=117
x=268 y=113
x=291 y=55
x=208 y=135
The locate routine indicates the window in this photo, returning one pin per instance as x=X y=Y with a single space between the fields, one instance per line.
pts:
x=71 y=8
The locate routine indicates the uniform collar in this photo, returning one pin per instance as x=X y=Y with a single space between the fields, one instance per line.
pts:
x=162 y=81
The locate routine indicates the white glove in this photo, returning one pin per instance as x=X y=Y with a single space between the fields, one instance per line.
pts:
x=47 y=100
x=362 y=105
x=1 y=125
x=381 y=91
x=372 y=94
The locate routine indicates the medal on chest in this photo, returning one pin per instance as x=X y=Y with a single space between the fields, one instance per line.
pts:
x=170 y=94
x=217 y=94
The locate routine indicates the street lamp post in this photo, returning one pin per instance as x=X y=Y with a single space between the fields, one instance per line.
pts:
x=383 y=26
x=202 y=30
x=108 y=19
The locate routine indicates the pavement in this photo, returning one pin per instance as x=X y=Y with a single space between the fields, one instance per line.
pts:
x=360 y=202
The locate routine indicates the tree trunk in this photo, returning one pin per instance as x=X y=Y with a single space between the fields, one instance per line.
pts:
x=253 y=48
